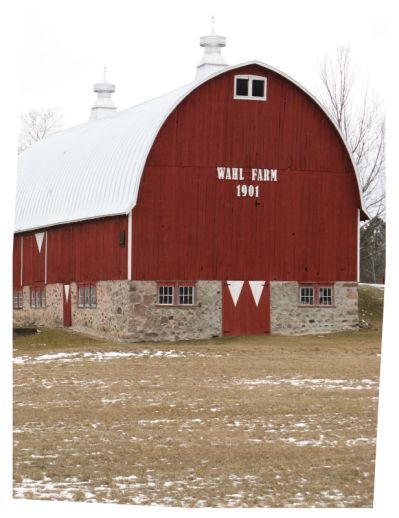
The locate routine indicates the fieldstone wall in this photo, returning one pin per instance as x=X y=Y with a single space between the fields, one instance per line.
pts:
x=148 y=321
x=289 y=318
x=51 y=315
x=110 y=317
x=128 y=311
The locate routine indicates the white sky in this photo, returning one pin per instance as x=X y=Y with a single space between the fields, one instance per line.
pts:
x=150 y=47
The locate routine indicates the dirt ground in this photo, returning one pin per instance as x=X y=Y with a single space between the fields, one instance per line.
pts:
x=245 y=422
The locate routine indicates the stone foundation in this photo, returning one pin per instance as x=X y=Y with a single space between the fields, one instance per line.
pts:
x=288 y=318
x=149 y=321
x=128 y=311
x=50 y=316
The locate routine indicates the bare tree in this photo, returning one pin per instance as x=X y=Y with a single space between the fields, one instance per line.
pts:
x=361 y=119
x=38 y=124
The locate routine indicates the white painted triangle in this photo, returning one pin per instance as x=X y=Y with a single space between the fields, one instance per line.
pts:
x=66 y=288
x=257 y=289
x=235 y=288
x=39 y=240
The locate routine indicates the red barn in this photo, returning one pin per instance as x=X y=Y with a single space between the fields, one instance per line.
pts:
x=228 y=206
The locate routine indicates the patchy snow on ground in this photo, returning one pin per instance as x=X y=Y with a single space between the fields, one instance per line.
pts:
x=109 y=355
x=312 y=383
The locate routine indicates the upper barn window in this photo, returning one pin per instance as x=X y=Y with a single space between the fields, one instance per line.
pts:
x=250 y=87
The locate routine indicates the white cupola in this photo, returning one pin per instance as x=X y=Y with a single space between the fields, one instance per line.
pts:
x=212 y=60
x=103 y=106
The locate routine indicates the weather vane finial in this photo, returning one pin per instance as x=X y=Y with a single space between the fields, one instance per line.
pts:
x=213 y=23
x=105 y=71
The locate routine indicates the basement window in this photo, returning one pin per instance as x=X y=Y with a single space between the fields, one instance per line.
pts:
x=165 y=295
x=87 y=295
x=306 y=295
x=250 y=87
x=38 y=296
x=18 y=298
x=316 y=295
x=325 y=296
x=176 y=293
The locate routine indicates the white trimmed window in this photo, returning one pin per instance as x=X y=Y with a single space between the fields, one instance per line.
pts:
x=165 y=295
x=325 y=296
x=250 y=87
x=176 y=293
x=18 y=298
x=87 y=296
x=38 y=297
x=306 y=295
x=186 y=295
x=316 y=295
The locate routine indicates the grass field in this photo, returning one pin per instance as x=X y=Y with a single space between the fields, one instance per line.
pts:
x=244 y=422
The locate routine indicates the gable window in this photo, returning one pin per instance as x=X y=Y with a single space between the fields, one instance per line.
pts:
x=316 y=295
x=250 y=87
x=38 y=296
x=87 y=295
x=176 y=293
x=18 y=298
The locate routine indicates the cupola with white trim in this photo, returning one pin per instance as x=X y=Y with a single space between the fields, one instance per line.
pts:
x=103 y=106
x=212 y=60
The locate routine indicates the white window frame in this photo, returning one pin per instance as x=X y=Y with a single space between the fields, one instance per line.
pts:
x=87 y=295
x=17 y=298
x=250 y=78
x=331 y=296
x=182 y=295
x=307 y=296
x=162 y=287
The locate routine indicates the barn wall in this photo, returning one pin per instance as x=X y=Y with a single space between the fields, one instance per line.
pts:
x=128 y=311
x=16 y=254
x=50 y=316
x=189 y=225
x=288 y=318
x=86 y=251
x=148 y=321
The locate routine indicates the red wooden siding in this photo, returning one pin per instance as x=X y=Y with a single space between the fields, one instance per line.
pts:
x=16 y=272
x=33 y=261
x=87 y=251
x=189 y=225
x=245 y=318
x=67 y=305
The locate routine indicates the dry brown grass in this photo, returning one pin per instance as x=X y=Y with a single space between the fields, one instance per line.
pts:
x=229 y=422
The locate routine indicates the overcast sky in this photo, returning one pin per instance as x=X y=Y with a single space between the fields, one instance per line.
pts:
x=150 y=47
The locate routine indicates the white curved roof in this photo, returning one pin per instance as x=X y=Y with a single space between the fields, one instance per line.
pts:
x=94 y=169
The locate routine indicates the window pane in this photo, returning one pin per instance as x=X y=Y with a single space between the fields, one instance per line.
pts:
x=307 y=295
x=87 y=296
x=20 y=298
x=325 y=296
x=258 y=88
x=43 y=297
x=186 y=295
x=241 y=86
x=93 y=296
x=80 y=297
x=32 y=298
x=165 y=295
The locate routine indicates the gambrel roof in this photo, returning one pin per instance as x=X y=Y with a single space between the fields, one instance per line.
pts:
x=94 y=169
